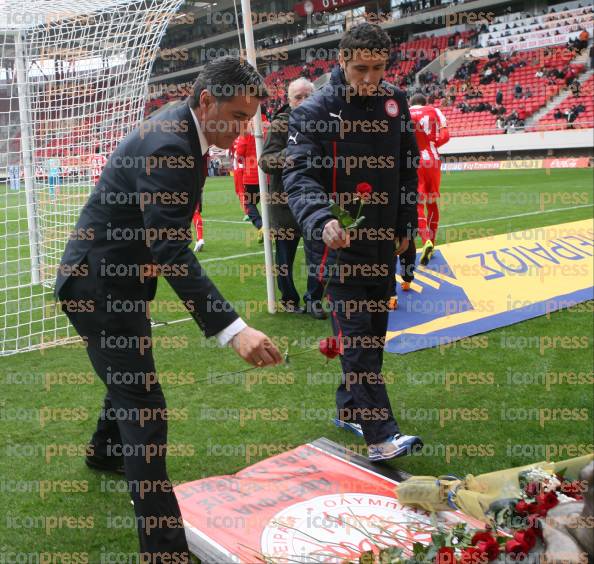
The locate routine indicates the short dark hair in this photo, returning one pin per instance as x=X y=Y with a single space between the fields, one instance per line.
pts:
x=227 y=77
x=418 y=100
x=365 y=36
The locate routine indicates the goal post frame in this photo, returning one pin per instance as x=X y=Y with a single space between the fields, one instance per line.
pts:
x=74 y=79
x=26 y=151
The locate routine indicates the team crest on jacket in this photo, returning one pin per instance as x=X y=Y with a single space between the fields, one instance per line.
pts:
x=391 y=107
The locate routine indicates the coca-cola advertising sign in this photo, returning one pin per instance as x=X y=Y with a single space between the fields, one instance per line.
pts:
x=310 y=6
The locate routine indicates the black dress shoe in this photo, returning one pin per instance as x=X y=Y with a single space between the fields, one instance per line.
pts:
x=290 y=307
x=113 y=464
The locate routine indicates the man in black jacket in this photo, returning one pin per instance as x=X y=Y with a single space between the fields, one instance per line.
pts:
x=137 y=226
x=286 y=231
x=356 y=135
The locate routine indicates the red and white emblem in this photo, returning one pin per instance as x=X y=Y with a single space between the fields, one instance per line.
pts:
x=392 y=107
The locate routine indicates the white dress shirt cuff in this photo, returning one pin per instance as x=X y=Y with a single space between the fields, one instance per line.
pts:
x=230 y=331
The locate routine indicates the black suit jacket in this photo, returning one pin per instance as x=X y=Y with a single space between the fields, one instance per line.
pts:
x=136 y=224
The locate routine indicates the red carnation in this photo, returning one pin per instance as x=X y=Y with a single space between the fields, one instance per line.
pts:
x=330 y=347
x=445 y=555
x=517 y=550
x=472 y=555
x=363 y=189
x=527 y=536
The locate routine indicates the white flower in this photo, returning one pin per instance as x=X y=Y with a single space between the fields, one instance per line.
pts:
x=564 y=498
x=550 y=484
x=538 y=475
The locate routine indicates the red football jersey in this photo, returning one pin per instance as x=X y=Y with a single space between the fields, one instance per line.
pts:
x=233 y=154
x=97 y=163
x=430 y=130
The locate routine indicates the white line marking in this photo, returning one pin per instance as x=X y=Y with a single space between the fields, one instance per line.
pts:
x=231 y=257
x=246 y=223
x=516 y=215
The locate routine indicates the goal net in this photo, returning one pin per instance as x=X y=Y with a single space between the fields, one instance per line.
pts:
x=73 y=80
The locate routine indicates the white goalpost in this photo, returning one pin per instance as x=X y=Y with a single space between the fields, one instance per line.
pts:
x=73 y=82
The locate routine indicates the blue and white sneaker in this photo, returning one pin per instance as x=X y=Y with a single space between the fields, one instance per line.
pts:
x=398 y=445
x=352 y=427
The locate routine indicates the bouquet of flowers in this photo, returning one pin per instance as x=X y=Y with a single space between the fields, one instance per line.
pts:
x=494 y=495
x=513 y=529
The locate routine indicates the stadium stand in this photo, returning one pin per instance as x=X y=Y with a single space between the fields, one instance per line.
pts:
x=523 y=89
x=552 y=27
x=576 y=111
x=514 y=68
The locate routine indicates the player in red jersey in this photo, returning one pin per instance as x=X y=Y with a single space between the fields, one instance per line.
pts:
x=197 y=222
x=98 y=161
x=237 y=167
x=431 y=132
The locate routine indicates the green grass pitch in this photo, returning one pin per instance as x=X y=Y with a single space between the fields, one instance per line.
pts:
x=43 y=423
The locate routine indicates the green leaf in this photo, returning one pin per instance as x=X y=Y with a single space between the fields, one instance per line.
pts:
x=432 y=553
x=390 y=555
x=344 y=217
x=357 y=222
x=420 y=550
x=366 y=557
x=438 y=539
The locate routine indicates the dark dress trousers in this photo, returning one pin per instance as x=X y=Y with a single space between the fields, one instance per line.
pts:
x=135 y=227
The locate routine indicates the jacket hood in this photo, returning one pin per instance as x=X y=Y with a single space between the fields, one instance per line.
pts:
x=338 y=81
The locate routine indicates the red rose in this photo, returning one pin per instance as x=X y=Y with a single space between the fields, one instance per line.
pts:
x=330 y=347
x=517 y=550
x=363 y=189
x=472 y=555
x=547 y=500
x=534 y=525
x=527 y=536
x=445 y=555
x=490 y=548
x=482 y=536
x=572 y=489
x=523 y=507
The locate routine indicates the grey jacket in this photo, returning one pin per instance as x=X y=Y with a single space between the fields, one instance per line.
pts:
x=272 y=161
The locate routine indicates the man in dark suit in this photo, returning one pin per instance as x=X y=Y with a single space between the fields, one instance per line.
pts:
x=137 y=226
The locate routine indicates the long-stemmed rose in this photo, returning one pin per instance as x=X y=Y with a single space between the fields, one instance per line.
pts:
x=486 y=543
x=330 y=347
x=363 y=192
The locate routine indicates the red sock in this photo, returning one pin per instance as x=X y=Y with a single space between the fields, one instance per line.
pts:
x=433 y=218
x=197 y=221
x=239 y=190
x=423 y=231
